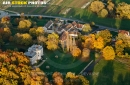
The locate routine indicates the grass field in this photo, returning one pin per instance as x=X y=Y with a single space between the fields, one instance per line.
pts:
x=73 y=3
x=77 y=13
x=110 y=73
x=64 y=63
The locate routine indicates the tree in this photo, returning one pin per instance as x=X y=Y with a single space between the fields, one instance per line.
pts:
x=24 y=25
x=108 y=53
x=5 y=20
x=110 y=5
x=85 y=53
x=6 y=34
x=86 y=28
x=58 y=78
x=96 y=6
x=52 y=41
x=106 y=35
x=89 y=41
x=23 y=39
x=41 y=39
x=103 y=13
x=15 y=70
x=119 y=47
x=84 y=80
x=75 y=51
x=99 y=43
x=56 y=74
x=71 y=75
x=123 y=10
x=32 y=32
x=40 y=31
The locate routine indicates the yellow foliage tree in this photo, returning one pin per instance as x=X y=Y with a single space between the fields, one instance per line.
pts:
x=96 y=6
x=85 y=53
x=99 y=43
x=110 y=5
x=71 y=75
x=86 y=28
x=89 y=41
x=103 y=13
x=52 y=41
x=123 y=10
x=24 y=25
x=119 y=47
x=40 y=31
x=108 y=53
x=106 y=35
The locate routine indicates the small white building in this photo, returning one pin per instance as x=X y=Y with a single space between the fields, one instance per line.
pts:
x=34 y=53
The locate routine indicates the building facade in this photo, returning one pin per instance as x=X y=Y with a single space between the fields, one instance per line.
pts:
x=34 y=53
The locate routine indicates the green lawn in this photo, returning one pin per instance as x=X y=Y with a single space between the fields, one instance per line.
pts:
x=64 y=63
x=77 y=13
x=110 y=73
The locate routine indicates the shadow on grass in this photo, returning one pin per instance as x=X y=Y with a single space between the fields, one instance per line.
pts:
x=123 y=80
x=105 y=76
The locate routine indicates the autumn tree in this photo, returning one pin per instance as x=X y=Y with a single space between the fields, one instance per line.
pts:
x=88 y=41
x=84 y=80
x=58 y=78
x=103 y=13
x=75 y=51
x=15 y=70
x=32 y=32
x=52 y=41
x=119 y=47
x=96 y=6
x=110 y=5
x=123 y=10
x=41 y=39
x=106 y=35
x=24 y=25
x=40 y=31
x=23 y=39
x=86 y=28
x=85 y=53
x=71 y=75
x=5 y=33
x=5 y=20
x=99 y=43
x=108 y=53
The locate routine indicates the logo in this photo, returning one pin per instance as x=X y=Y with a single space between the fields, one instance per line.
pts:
x=25 y=3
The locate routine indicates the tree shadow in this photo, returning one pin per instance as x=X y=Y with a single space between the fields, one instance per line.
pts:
x=105 y=76
x=123 y=80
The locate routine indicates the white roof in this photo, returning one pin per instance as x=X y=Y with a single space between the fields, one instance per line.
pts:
x=30 y=54
x=35 y=47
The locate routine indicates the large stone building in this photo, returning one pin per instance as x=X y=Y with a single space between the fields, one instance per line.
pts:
x=34 y=53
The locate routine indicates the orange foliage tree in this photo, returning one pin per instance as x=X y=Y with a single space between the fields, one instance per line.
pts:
x=75 y=51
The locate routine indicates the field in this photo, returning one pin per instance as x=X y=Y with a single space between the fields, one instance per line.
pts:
x=64 y=63
x=73 y=3
x=110 y=73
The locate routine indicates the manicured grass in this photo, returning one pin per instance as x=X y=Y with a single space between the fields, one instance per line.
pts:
x=110 y=73
x=64 y=63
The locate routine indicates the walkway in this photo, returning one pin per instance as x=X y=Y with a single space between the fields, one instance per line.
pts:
x=90 y=66
x=86 y=67
x=40 y=64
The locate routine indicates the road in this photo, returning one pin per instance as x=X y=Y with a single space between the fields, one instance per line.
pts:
x=66 y=19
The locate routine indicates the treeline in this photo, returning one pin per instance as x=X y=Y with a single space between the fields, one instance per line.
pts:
x=107 y=8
